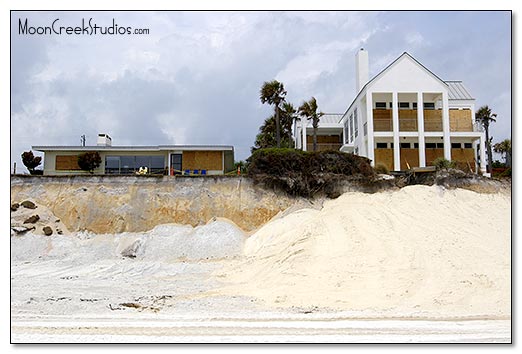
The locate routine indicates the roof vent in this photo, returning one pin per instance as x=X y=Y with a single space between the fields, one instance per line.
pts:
x=104 y=140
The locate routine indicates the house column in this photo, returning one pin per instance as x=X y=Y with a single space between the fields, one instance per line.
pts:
x=420 y=128
x=303 y=130
x=369 y=126
x=396 y=141
x=482 y=150
x=446 y=126
x=168 y=163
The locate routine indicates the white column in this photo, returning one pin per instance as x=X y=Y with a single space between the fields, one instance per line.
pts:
x=482 y=149
x=396 y=141
x=303 y=126
x=446 y=126
x=369 y=125
x=168 y=163
x=420 y=127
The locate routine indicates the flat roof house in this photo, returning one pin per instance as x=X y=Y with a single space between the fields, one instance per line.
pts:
x=404 y=117
x=160 y=159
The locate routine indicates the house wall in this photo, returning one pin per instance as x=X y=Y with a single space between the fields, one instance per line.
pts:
x=406 y=76
x=66 y=158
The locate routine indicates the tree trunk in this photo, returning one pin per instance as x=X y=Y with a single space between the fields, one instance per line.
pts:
x=315 y=139
x=278 y=132
x=488 y=149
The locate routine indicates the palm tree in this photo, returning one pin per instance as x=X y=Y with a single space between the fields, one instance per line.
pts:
x=288 y=115
x=504 y=147
x=484 y=117
x=308 y=110
x=273 y=92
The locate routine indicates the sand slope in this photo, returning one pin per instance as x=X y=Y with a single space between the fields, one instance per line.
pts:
x=420 y=251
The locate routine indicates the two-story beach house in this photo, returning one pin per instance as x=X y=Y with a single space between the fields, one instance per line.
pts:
x=404 y=117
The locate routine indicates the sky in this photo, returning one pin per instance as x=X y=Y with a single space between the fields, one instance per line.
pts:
x=195 y=77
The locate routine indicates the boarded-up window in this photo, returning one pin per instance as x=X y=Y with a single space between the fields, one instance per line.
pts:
x=67 y=162
x=203 y=160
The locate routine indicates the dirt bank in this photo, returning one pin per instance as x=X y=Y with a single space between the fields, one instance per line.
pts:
x=110 y=204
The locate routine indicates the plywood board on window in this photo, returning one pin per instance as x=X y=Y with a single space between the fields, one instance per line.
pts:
x=433 y=120
x=432 y=154
x=67 y=162
x=409 y=157
x=385 y=157
x=460 y=120
x=465 y=159
x=202 y=160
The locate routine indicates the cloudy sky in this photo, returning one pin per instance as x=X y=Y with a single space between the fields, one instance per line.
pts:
x=195 y=78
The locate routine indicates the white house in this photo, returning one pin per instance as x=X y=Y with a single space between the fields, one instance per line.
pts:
x=385 y=124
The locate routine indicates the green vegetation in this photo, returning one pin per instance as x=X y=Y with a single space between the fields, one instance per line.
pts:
x=484 y=117
x=308 y=110
x=306 y=173
x=31 y=162
x=381 y=168
x=504 y=148
x=89 y=161
x=273 y=92
x=441 y=163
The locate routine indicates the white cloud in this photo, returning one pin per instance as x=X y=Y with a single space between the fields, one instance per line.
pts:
x=195 y=79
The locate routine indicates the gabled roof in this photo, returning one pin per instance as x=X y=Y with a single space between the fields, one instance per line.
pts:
x=393 y=63
x=457 y=91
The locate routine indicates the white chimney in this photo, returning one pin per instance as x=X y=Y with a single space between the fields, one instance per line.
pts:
x=104 y=140
x=361 y=69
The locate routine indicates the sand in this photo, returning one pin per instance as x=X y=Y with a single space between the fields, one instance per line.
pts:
x=417 y=252
x=422 y=264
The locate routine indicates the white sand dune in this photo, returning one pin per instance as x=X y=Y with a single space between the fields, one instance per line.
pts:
x=419 y=251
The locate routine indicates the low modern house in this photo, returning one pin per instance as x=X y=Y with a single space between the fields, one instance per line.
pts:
x=161 y=159
x=404 y=117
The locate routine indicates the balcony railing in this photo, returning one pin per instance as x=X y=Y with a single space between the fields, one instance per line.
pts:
x=323 y=146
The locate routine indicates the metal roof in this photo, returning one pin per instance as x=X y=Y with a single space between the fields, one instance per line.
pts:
x=328 y=119
x=457 y=91
x=135 y=148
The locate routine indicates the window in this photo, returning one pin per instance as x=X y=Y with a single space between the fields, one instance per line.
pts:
x=112 y=165
x=440 y=145
x=351 y=128
x=365 y=129
x=382 y=145
x=391 y=104
x=414 y=105
x=468 y=146
x=380 y=105
x=405 y=146
x=415 y=145
x=346 y=130
x=429 y=105
x=431 y=145
x=355 y=123
x=130 y=164
x=127 y=165
x=456 y=145
x=404 y=105
x=391 y=145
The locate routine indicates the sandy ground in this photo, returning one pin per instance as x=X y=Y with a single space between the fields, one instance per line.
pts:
x=182 y=284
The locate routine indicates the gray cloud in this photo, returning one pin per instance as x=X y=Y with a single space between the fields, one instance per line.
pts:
x=196 y=77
